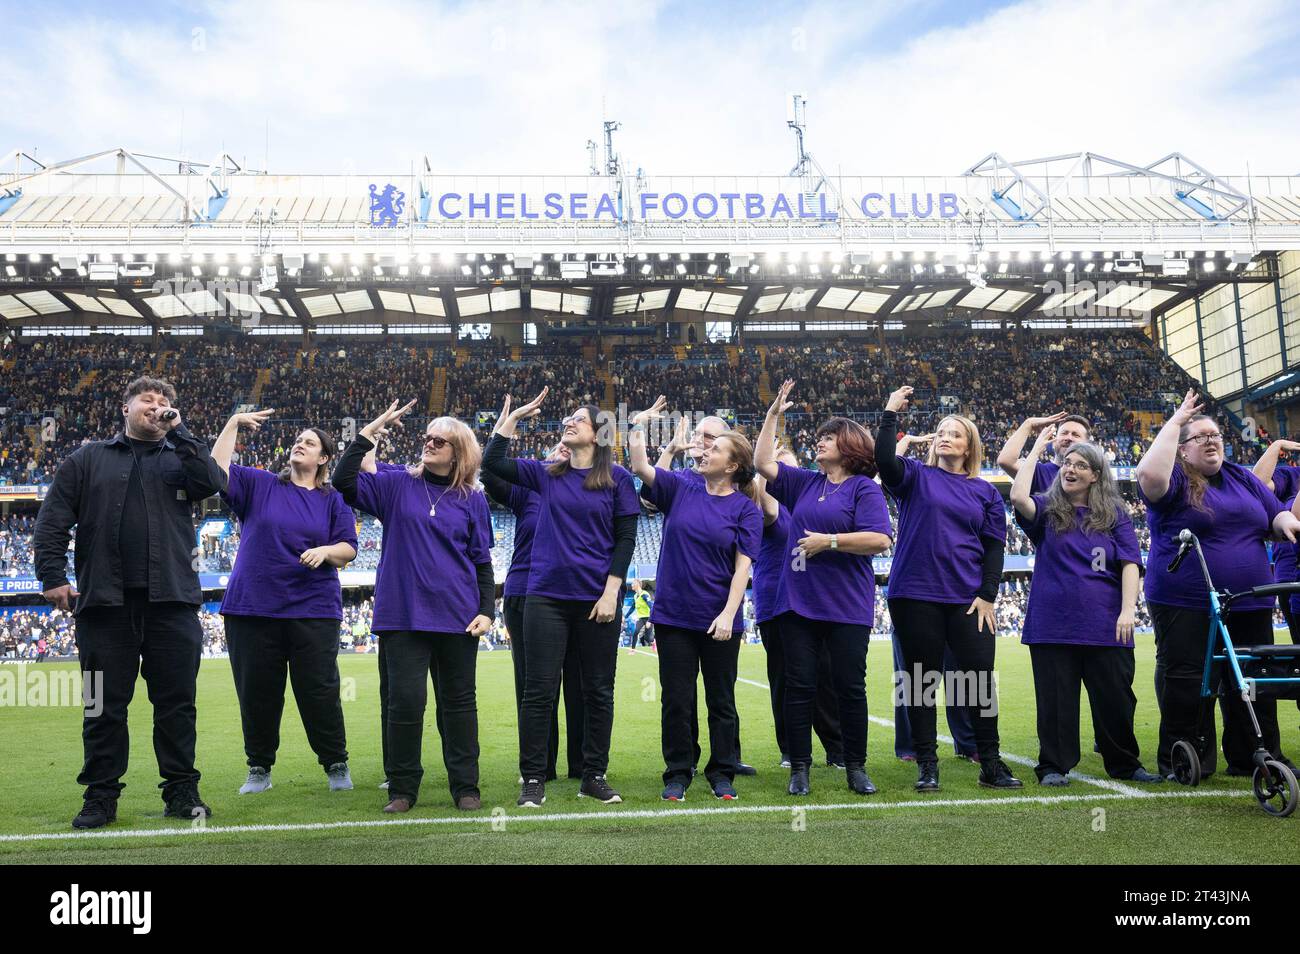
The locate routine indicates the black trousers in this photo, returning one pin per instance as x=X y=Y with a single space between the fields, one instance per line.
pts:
x=555 y=627
x=641 y=635
x=804 y=642
x=1181 y=636
x=410 y=657
x=826 y=715
x=924 y=630
x=162 y=642
x=513 y=609
x=1107 y=673
x=263 y=651
x=684 y=655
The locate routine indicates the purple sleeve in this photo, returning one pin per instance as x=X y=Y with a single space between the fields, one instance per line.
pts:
x=519 y=497
x=480 y=529
x=1035 y=529
x=626 y=502
x=663 y=491
x=911 y=471
x=343 y=523
x=870 y=513
x=1126 y=541
x=994 y=526
x=532 y=473
x=750 y=538
x=789 y=483
x=241 y=489
x=1286 y=481
x=1175 y=493
x=382 y=467
x=1044 y=474
x=375 y=490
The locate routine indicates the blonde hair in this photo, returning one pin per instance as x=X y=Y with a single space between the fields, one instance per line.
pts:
x=974 y=447
x=466 y=455
x=741 y=453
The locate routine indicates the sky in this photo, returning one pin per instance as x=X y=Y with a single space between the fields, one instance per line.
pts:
x=906 y=87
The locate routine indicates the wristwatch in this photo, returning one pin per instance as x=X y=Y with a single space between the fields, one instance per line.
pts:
x=835 y=541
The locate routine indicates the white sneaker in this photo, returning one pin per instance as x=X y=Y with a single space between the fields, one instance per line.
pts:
x=259 y=780
x=340 y=778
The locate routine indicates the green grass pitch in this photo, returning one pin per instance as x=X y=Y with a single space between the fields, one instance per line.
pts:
x=40 y=750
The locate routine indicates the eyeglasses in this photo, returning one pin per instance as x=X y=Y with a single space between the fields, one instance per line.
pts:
x=438 y=443
x=572 y=419
x=1076 y=465
x=1200 y=440
x=705 y=439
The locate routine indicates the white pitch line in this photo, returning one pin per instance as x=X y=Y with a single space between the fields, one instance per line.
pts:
x=1106 y=783
x=671 y=813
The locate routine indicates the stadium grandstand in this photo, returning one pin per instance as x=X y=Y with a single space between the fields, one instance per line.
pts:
x=1072 y=283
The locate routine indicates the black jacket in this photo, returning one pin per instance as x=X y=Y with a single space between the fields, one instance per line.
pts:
x=88 y=492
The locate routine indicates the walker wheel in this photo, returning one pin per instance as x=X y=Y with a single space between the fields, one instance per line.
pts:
x=1276 y=788
x=1187 y=764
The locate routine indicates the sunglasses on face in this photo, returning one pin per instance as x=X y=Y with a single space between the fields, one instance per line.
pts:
x=437 y=443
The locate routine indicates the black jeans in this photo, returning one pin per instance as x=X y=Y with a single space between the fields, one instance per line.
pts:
x=513 y=609
x=826 y=716
x=410 y=657
x=263 y=650
x=162 y=642
x=924 y=630
x=684 y=655
x=1107 y=673
x=553 y=626
x=959 y=718
x=804 y=641
x=1181 y=636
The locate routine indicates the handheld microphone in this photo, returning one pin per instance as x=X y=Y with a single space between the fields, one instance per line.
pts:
x=1186 y=539
x=169 y=415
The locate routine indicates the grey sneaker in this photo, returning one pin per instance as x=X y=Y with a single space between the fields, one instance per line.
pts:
x=340 y=778
x=1054 y=780
x=259 y=780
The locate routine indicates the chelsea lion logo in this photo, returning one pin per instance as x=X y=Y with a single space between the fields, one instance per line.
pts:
x=386 y=206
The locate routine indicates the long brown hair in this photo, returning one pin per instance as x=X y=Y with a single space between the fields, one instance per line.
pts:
x=601 y=475
x=1105 y=506
x=857 y=449
x=1196 y=482
x=741 y=453
x=466 y=455
x=327 y=447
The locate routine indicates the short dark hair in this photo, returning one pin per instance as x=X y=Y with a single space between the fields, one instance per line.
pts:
x=854 y=441
x=1078 y=419
x=145 y=383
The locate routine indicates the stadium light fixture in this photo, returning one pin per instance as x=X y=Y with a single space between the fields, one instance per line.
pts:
x=753 y=269
x=1065 y=255
x=11 y=271
x=882 y=269
x=245 y=271
x=196 y=271
x=539 y=271
x=1049 y=267
x=680 y=269
x=466 y=270
x=328 y=271
x=34 y=258
x=732 y=269
x=56 y=271
x=1002 y=267
x=242 y=257
x=1069 y=267
x=425 y=270
x=472 y=257
x=507 y=269
x=447 y=258
x=223 y=271
x=1209 y=265
x=11 y=257
x=1089 y=267
x=355 y=271
x=815 y=269
x=379 y=271
x=485 y=269
x=713 y=268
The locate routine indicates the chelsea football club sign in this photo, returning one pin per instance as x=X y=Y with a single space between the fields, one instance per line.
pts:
x=386 y=206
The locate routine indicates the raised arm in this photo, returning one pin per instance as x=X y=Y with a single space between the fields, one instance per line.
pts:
x=765 y=448
x=636 y=440
x=1022 y=487
x=495 y=459
x=224 y=448
x=1009 y=457
x=1267 y=462
x=888 y=461
x=1157 y=464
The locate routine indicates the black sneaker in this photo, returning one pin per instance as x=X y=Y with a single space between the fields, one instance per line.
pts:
x=995 y=774
x=743 y=769
x=798 y=780
x=532 y=794
x=859 y=781
x=184 y=802
x=595 y=786
x=724 y=790
x=96 y=813
x=927 y=776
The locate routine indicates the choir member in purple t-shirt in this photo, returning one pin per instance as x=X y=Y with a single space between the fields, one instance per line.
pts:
x=526 y=505
x=1071 y=429
x=838 y=521
x=434 y=596
x=282 y=605
x=712 y=533
x=943 y=581
x=1284 y=481
x=1187 y=485
x=586 y=531
x=1082 y=610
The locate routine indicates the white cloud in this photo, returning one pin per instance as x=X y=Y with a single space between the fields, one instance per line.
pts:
x=518 y=87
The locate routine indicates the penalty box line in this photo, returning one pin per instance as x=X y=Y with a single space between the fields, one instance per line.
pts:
x=671 y=813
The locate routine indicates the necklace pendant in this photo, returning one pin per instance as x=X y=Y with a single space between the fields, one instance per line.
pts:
x=433 y=511
x=821 y=498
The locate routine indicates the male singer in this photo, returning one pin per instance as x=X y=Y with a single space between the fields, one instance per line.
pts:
x=137 y=592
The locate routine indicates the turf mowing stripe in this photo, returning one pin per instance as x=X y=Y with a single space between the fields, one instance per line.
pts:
x=622 y=815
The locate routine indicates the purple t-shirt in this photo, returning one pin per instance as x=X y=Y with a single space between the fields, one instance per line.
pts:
x=1286 y=482
x=427 y=578
x=1076 y=593
x=1044 y=473
x=573 y=544
x=702 y=535
x=525 y=505
x=769 y=594
x=833 y=586
x=943 y=521
x=1237 y=519
x=278 y=521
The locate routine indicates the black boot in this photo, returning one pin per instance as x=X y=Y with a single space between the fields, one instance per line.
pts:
x=995 y=774
x=927 y=776
x=798 y=780
x=859 y=781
